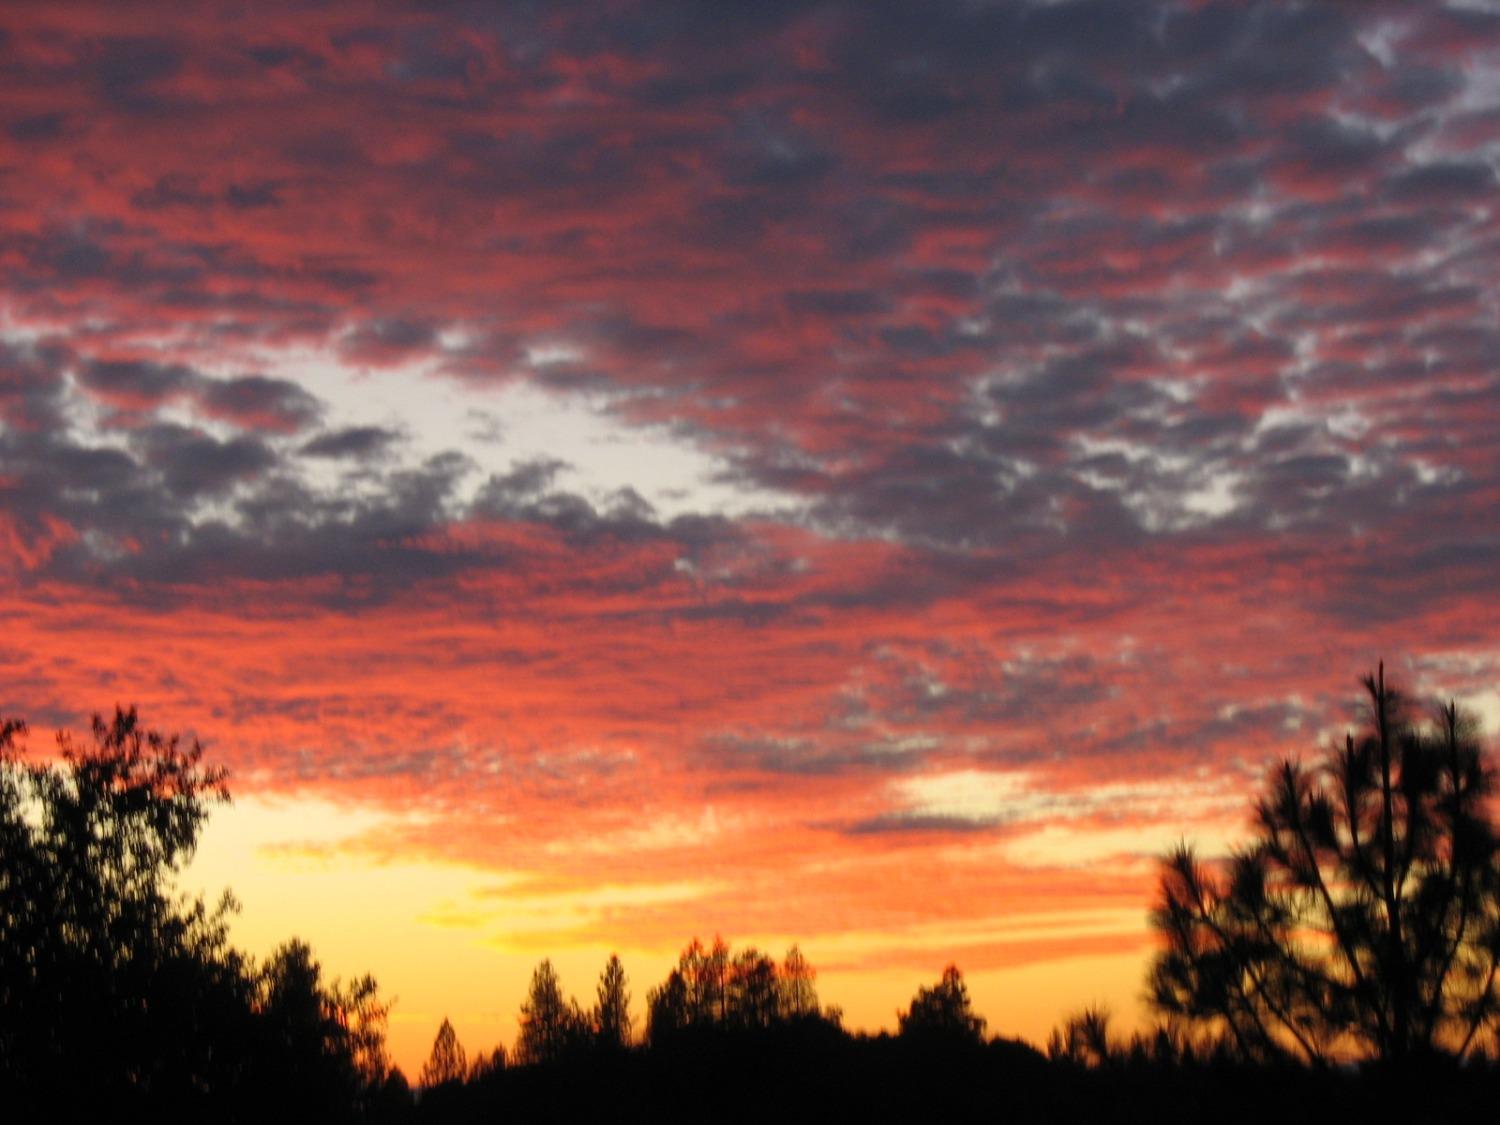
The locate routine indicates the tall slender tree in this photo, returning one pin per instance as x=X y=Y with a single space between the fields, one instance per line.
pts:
x=705 y=972
x=612 y=1020
x=448 y=1061
x=1364 y=918
x=550 y=1025
x=796 y=986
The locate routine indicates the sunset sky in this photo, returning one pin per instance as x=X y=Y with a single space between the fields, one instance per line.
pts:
x=864 y=474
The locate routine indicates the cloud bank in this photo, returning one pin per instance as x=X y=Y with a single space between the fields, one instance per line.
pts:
x=717 y=430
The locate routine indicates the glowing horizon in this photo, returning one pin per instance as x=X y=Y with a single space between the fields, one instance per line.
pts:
x=402 y=921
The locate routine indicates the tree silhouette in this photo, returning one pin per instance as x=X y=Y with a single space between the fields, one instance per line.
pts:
x=612 y=1020
x=695 y=993
x=121 y=996
x=1084 y=1038
x=942 y=1012
x=447 y=1062
x=705 y=971
x=112 y=985
x=486 y=1066
x=323 y=1046
x=753 y=996
x=796 y=986
x=715 y=987
x=1364 y=918
x=550 y=1025
x=666 y=1008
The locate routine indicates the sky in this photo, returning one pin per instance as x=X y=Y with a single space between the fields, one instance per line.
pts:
x=870 y=475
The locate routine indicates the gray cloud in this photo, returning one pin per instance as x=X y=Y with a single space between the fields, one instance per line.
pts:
x=356 y=442
x=261 y=402
x=1040 y=281
x=899 y=824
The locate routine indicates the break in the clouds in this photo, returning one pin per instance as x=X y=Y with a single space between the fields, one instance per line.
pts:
x=683 y=444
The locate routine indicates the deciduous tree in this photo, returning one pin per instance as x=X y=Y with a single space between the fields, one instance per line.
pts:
x=753 y=999
x=120 y=994
x=796 y=986
x=112 y=984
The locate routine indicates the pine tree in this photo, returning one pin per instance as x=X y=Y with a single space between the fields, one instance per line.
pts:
x=448 y=1062
x=1365 y=917
x=612 y=1020
x=550 y=1025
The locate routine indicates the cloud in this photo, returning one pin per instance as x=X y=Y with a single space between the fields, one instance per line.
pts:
x=248 y=401
x=389 y=341
x=193 y=464
x=258 y=402
x=136 y=384
x=1080 y=392
x=351 y=441
x=902 y=823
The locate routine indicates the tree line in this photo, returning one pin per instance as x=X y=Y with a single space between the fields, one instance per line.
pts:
x=712 y=989
x=1354 y=940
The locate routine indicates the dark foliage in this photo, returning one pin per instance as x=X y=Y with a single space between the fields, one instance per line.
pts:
x=811 y=1070
x=941 y=1015
x=321 y=1046
x=551 y=1028
x=448 y=1061
x=121 y=997
x=714 y=988
x=611 y=1017
x=1364 y=920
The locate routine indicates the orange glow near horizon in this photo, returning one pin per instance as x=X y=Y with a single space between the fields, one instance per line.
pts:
x=398 y=921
